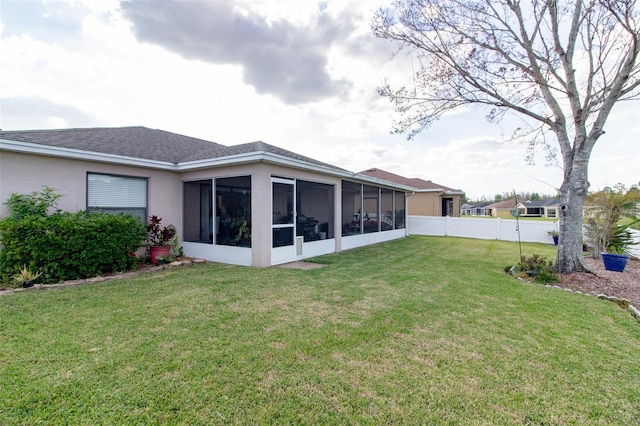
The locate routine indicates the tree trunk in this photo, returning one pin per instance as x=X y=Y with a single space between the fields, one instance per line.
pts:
x=573 y=193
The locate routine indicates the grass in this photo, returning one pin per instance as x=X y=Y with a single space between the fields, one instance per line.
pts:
x=421 y=330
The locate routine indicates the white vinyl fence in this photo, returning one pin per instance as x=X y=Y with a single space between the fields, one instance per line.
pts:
x=491 y=229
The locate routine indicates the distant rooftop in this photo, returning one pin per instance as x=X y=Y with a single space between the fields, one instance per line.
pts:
x=417 y=183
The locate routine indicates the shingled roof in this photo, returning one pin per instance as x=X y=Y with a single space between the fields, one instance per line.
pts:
x=417 y=183
x=145 y=143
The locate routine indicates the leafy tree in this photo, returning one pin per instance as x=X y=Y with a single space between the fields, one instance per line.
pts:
x=559 y=65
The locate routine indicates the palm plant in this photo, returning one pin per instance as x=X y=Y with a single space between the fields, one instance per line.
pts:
x=605 y=209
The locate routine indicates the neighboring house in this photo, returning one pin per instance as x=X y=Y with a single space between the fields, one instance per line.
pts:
x=427 y=199
x=540 y=208
x=292 y=206
x=502 y=208
x=476 y=209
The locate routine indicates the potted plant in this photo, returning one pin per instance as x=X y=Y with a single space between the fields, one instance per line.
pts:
x=606 y=233
x=25 y=277
x=616 y=256
x=159 y=238
x=554 y=235
x=615 y=259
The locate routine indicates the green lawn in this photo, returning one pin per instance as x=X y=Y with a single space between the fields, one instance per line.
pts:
x=417 y=331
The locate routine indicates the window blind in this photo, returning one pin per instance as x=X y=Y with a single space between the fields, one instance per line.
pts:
x=109 y=191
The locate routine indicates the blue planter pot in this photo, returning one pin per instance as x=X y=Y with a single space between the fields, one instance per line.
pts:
x=615 y=262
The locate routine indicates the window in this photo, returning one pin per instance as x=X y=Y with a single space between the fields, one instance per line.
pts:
x=399 y=209
x=315 y=210
x=117 y=194
x=386 y=209
x=233 y=211
x=371 y=197
x=367 y=208
x=198 y=211
x=351 y=204
x=283 y=213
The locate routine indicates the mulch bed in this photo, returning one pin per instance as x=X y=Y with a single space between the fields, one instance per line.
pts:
x=623 y=285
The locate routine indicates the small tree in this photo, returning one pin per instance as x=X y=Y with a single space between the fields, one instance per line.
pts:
x=605 y=209
x=33 y=204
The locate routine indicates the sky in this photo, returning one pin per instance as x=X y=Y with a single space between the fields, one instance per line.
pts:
x=301 y=75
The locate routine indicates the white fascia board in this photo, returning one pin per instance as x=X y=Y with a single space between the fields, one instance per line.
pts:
x=256 y=157
x=268 y=157
x=229 y=160
x=261 y=156
x=440 y=190
x=77 y=154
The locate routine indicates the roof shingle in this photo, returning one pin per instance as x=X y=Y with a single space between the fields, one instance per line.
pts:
x=144 y=143
x=417 y=183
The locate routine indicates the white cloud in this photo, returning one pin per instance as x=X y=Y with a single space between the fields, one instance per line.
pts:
x=98 y=74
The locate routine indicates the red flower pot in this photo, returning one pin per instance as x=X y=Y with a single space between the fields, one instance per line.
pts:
x=156 y=251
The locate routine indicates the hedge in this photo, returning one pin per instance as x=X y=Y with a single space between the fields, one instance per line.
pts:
x=67 y=246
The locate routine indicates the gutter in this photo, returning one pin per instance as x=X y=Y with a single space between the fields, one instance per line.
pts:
x=76 y=154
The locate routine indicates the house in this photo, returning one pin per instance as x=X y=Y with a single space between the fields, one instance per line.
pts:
x=540 y=208
x=476 y=209
x=252 y=204
x=427 y=199
x=502 y=208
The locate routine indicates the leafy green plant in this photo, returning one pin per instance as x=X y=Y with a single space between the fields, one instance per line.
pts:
x=69 y=245
x=25 y=276
x=605 y=229
x=243 y=233
x=176 y=248
x=33 y=204
x=546 y=277
x=535 y=262
x=158 y=235
x=539 y=267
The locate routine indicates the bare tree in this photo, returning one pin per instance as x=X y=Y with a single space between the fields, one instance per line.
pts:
x=561 y=65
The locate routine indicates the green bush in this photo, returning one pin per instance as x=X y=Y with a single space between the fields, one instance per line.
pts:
x=65 y=246
x=538 y=267
x=33 y=204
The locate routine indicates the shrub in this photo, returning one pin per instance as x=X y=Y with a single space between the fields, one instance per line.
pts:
x=67 y=245
x=538 y=267
x=33 y=204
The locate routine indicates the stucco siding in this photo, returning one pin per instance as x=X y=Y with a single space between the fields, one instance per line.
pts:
x=430 y=204
x=423 y=204
x=69 y=178
x=26 y=173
